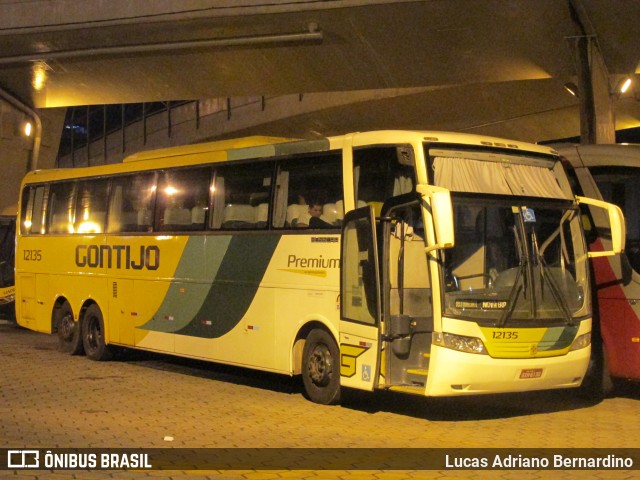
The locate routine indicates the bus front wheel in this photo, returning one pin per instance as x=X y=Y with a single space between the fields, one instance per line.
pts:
x=321 y=368
x=93 y=335
x=68 y=330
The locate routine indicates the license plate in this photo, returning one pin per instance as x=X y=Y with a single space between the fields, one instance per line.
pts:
x=531 y=373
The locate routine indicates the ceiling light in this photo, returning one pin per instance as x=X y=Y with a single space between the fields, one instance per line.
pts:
x=38 y=75
x=624 y=85
x=27 y=128
x=571 y=88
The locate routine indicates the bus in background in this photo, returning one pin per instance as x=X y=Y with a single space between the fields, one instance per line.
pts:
x=430 y=263
x=7 y=263
x=612 y=173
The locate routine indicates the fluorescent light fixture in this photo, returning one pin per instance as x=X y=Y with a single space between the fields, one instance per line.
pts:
x=624 y=85
x=572 y=88
x=27 y=128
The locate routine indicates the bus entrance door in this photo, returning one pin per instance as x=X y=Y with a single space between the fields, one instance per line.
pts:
x=386 y=306
x=407 y=304
x=359 y=301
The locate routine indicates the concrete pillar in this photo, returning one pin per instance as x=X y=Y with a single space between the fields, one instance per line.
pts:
x=16 y=149
x=597 y=105
x=597 y=116
x=603 y=100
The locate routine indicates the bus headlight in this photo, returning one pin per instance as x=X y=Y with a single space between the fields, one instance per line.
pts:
x=459 y=343
x=582 y=341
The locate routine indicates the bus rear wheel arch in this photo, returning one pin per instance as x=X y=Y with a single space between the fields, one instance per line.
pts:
x=321 y=368
x=67 y=329
x=93 y=335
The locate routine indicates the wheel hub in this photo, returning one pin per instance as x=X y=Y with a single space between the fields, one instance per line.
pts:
x=67 y=327
x=93 y=332
x=320 y=365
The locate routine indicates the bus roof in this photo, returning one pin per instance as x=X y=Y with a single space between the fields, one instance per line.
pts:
x=220 y=145
x=431 y=136
x=265 y=147
x=602 y=155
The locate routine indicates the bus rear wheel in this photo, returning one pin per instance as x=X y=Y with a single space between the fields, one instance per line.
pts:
x=321 y=368
x=68 y=330
x=93 y=335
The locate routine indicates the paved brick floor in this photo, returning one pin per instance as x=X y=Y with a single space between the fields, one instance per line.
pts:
x=51 y=400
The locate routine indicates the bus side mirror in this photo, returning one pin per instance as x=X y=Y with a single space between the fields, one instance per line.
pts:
x=441 y=213
x=616 y=224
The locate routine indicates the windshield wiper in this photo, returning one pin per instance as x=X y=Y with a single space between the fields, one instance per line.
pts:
x=555 y=292
x=546 y=275
x=517 y=288
x=514 y=294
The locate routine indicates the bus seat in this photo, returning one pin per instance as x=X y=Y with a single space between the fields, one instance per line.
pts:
x=239 y=215
x=60 y=224
x=329 y=213
x=340 y=207
x=262 y=215
x=339 y=210
x=198 y=215
x=294 y=211
x=122 y=222
x=177 y=216
x=143 y=219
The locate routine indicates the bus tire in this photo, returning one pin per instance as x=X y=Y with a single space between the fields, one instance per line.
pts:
x=598 y=383
x=321 y=368
x=608 y=382
x=93 y=335
x=68 y=331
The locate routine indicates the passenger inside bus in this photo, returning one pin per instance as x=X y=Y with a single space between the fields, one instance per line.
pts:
x=311 y=218
x=313 y=210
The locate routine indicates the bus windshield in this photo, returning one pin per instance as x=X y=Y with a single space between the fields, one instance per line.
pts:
x=519 y=252
x=515 y=261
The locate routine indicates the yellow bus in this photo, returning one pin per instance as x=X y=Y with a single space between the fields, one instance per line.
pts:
x=431 y=263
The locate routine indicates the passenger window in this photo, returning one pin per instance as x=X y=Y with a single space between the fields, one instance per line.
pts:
x=60 y=214
x=381 y=173
x=132 y=203
x=183 y=199
x=242 y=196
x=32 y=214
x=310 y=193
x=91 y=206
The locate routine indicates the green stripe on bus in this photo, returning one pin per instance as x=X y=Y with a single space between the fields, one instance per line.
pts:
x=184 y=299
x=236 y=266
x=279 y=149
x=234 y=287
x=558 y=338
